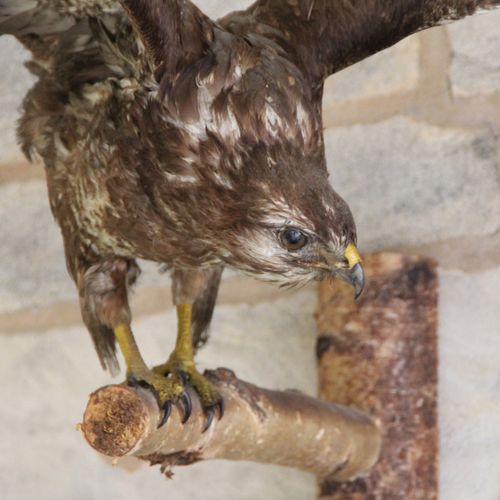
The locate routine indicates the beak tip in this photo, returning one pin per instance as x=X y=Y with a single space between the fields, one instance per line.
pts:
x=355 y=277
x=359 y=280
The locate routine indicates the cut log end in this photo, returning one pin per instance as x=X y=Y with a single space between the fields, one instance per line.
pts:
x=115 y=420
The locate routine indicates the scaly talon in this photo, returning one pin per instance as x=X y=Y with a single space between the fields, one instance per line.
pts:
x=183 y=376
x=132 y=381
x=168 y=381
x=210 y=413
x=221 y=408
x=185 y=400
x=166 y=390
x=167 y=410
x=188 y=375
x=181 y=367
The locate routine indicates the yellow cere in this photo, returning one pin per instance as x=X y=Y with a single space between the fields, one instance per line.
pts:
x=352 y=255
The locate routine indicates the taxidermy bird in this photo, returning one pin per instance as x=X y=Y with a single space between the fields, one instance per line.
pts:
x=196 y=144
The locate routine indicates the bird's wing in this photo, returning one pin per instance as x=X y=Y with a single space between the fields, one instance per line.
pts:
x=79 y=44
x=74 y=43
x=83 y=52
x=91 y=40
x=325 y=36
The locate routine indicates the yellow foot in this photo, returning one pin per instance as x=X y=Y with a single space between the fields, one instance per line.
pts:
x=186 y=372
x=167 y=391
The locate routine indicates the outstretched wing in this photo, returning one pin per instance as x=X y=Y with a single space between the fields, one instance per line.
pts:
x=76 y=42
x=325 y=36
x=88 y=41
x=81 y=51
x=95 y=50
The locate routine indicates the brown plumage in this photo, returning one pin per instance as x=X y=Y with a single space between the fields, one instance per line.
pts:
x=170 y=137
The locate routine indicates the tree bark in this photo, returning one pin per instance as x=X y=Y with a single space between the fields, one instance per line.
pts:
x=285 y=428
x=379 y=354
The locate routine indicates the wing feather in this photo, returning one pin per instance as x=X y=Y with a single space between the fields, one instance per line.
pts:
x=325 y=36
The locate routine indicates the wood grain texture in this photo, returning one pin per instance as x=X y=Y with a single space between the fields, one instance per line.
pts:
x=380 y=355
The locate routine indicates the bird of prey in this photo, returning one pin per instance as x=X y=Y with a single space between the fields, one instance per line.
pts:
x=197 y=144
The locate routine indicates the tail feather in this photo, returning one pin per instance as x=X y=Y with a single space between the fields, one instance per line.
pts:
x=104 y=343
x=203 y=308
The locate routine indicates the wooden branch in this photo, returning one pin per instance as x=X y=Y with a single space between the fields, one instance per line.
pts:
x=285 y=428
x=380 y=354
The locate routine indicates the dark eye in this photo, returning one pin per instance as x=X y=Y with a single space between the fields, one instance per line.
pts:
x=293 y=238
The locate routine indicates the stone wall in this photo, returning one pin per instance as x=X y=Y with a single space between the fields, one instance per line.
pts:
x=413 y=145
x=413 y=140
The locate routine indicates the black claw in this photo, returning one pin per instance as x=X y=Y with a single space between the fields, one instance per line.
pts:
x=187 y=405
x=183 y=376
x=220 y=405
x=167 y=410
x=209 y=412
x=132 y=381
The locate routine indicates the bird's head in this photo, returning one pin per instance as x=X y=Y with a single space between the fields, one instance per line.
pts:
x=292 y=226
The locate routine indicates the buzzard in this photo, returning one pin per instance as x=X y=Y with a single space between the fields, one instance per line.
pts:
x=196 y=144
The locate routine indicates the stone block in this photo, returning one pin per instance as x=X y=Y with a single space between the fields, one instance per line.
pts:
x=15 y=81
x=219 y=8
x=469 y=319
x=475 y=45
x=410 y=183
x=33 y=271
x=394 y=70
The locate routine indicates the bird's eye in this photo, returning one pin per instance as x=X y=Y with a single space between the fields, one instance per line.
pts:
x=293 y=238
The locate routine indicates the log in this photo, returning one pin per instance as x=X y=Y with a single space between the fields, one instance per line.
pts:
x=379 y=354
x=279 y=427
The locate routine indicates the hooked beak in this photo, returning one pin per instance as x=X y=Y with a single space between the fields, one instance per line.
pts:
x=353 y=272
x=355 y=277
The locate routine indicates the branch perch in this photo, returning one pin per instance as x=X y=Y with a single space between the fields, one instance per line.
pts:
x=380 y=354
x=286 y=428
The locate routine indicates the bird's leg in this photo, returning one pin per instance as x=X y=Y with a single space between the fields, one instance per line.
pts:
x=104 y=302
x=181 y=365
x=190 y=288
x=167 y=390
